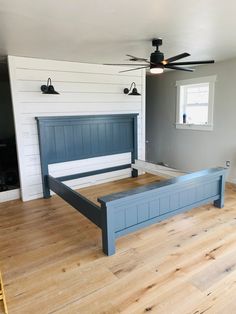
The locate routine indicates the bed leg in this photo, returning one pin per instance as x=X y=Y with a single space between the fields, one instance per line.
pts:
x=108 y=235
x=108 y=245
x=134 y=173
x=46 y=190
x=220 y=202
x=46 y=194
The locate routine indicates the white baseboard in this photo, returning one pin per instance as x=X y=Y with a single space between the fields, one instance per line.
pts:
x=9 y=195
x=231 y=180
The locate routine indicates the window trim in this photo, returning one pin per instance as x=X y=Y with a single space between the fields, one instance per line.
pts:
x=200 y=80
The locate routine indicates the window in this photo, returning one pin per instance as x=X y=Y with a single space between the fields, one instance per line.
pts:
x=195 y=99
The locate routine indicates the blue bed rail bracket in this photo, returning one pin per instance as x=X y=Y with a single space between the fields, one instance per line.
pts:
x=128 y=211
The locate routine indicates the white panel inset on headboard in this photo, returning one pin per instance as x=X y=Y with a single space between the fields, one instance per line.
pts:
x=85 y=89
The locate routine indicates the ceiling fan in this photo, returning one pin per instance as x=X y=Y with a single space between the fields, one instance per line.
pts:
x=158 y=63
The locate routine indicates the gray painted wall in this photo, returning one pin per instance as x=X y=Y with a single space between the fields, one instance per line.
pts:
x=192 y=150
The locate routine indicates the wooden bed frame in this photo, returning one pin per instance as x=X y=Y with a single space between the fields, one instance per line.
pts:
x=64 y=139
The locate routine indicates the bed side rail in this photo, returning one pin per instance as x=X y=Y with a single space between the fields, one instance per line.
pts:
x=157 y=170
x=78 y=201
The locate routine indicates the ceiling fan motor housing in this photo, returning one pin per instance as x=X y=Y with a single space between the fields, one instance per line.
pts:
x=156 y=57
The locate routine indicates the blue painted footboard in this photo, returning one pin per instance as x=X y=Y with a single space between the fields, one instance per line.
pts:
x=131 y=210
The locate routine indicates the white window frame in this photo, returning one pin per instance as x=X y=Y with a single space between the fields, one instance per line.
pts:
x=200 y=80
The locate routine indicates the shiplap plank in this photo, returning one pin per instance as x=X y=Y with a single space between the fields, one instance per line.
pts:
x=75 y=77
x=59 y=66
x=32 y=160
x=70 y=108
x=125 y=157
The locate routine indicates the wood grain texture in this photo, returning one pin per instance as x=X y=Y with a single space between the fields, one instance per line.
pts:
x=52 y=262
x=2 y=296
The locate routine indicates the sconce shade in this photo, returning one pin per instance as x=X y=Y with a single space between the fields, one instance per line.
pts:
x=132 y=92
x=49 y=88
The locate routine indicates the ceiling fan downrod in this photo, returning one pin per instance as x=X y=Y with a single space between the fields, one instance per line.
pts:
x=156 y=42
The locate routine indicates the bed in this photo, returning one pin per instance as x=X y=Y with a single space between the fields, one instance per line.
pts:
x=70 y=138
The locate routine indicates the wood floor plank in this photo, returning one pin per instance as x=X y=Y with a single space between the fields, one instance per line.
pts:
x=218 y=269
x=219 y=298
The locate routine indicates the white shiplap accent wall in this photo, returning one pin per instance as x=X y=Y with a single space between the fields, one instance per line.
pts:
x=84 y=89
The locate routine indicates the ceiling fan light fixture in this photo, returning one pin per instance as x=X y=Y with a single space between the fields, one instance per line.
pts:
x=157 y=69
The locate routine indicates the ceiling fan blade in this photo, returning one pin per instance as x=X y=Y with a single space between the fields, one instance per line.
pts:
x=134 y=69
x=173 y=67
x=192 y=62
x=123 y=64
x=133 y=58
x=177 y=57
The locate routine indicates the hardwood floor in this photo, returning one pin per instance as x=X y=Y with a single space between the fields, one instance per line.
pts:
x=52 y=261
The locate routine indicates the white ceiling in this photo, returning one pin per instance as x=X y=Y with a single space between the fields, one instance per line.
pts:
x=98 y=31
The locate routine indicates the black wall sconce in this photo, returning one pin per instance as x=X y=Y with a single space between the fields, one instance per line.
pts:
x=130 y=91
x=49 y=88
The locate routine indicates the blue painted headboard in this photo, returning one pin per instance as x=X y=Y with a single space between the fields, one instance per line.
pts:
x=69 y=138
